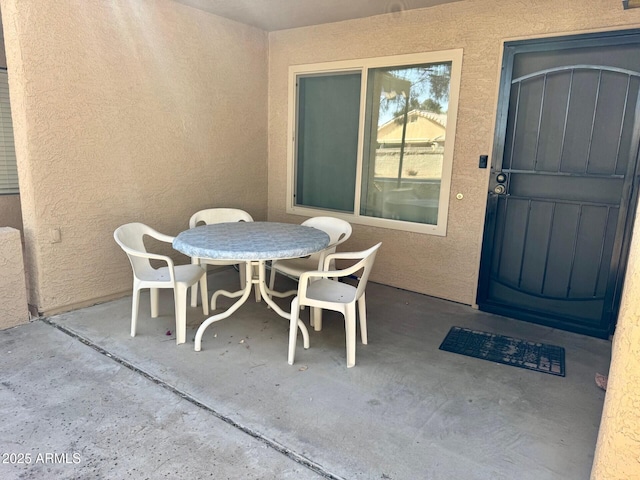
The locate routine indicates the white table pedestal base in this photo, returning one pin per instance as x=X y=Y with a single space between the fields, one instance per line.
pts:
x=250 y=280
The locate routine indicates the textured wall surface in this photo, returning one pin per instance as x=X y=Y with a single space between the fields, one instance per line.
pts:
x=145 y=110
x=13 y=291
x=443 y=267
x=618 y=449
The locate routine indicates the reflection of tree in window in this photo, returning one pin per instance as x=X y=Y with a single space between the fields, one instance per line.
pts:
x=429 y=89
x=407 y=150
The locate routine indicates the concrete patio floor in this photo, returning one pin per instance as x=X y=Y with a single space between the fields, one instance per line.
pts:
x=82 y=399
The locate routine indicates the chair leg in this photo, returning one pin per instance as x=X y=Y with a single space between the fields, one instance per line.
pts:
x=272 y=278
x=135 y=302
x=194 y=287
x=180 y=300
x=256 y=273
x=243 y=275
x=362 y=313
x=203 y=294
x=305 y=334
x=350 y=330
x=194 y=295
x=293 y=330
x=154 y=295
x=316 y=318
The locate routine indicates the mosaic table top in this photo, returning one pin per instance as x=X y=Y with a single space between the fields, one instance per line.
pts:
x=251 y=241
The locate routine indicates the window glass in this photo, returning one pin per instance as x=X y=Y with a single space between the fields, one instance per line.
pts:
x=327 y=143
x=8 y=169
x=406 y=123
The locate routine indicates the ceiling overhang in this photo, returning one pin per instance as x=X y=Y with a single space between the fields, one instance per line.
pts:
x=272 y=15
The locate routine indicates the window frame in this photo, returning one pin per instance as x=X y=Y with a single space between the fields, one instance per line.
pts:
x=363 y=65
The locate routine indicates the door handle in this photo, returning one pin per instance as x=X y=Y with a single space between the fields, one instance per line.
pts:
x=499 y=184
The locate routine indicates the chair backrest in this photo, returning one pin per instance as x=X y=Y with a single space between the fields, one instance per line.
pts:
x=130 y=237
x=366 y=264
x=219 y=215
x=338 y=230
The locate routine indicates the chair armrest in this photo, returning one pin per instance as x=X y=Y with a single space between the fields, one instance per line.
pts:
x=161 y=236
x=155 y=256
x=306 y=276
x=340 y=256
x=326 y=273
x=150 y=256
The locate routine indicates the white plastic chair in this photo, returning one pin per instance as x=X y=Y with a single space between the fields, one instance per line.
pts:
x=179 y=277
x=218 y=215
x=316 y=290
x=338 y=230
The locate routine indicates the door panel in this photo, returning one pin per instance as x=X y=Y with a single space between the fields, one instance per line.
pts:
x=564 y=165
x=587 y=189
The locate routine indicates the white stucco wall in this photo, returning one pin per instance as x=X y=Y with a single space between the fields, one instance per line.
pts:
x=445 y=267
x=13 y=293
x=618 y=449
x=127 y=111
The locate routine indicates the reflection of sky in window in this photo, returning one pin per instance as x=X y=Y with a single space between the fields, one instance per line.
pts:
x=420 y=89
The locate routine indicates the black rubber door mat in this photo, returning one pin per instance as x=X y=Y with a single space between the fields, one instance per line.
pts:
x=506 y=350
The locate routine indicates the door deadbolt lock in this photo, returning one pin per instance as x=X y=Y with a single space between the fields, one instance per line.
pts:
x=499 y=189
x=501 y=178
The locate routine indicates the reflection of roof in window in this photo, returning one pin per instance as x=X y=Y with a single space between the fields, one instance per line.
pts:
x=422 y=127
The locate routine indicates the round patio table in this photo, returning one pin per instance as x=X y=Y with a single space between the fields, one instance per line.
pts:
x=253 y=243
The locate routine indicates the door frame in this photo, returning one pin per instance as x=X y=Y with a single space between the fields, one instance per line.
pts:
x=629 y=198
